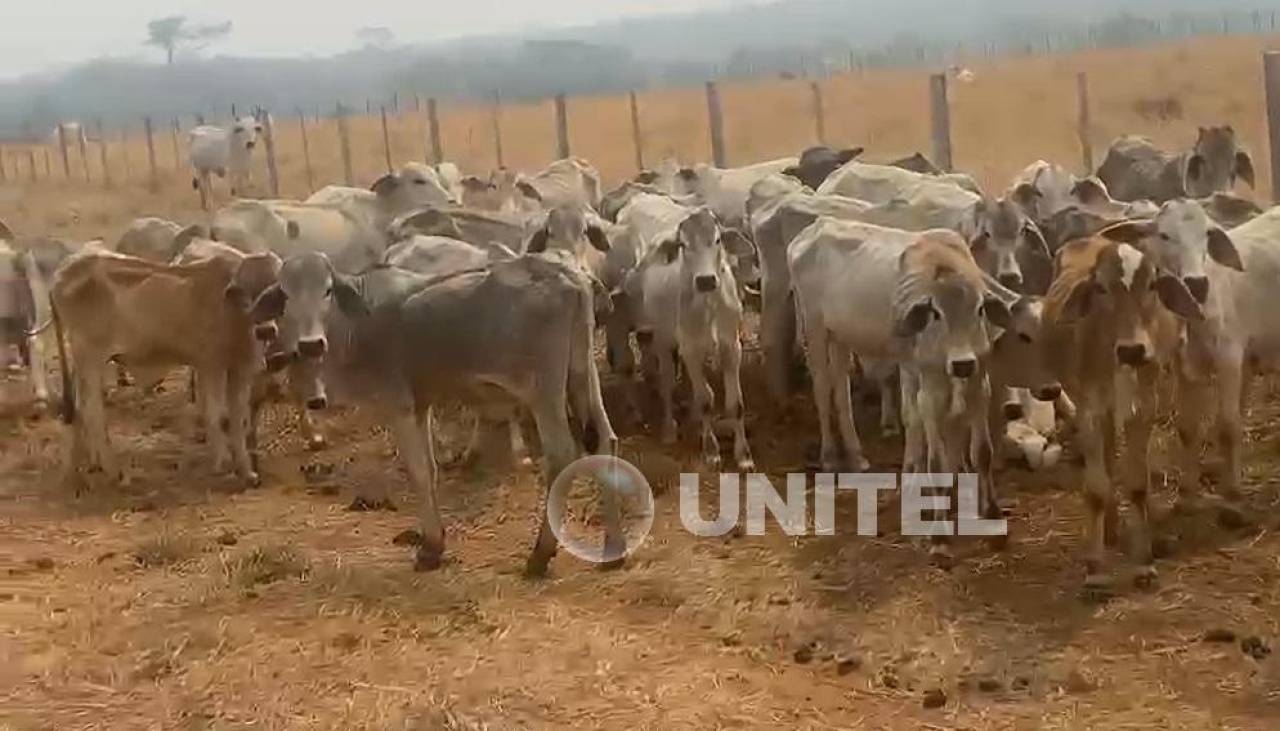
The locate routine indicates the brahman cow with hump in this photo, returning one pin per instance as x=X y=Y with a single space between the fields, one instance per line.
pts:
x=571 y=181
x=726 y=190
x=227 y=153
x=153 y=317
x=883 y=183
x=683 y=297
x=816 y=164
x=915 y=299
x=1113 y=320
x=1135 y=168
x=409 y=188
x=518 y=332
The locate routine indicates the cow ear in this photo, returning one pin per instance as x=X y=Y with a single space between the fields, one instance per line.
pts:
x=1080 y=299
x=1128 y=232
x=848 y=155
x=349 y=300
x=979 y=242
x=1090 y=190
x=598 y=239
x=792 y=172
x=6 y=233
x=538 y=243
x=235 y=296
x=1031 y=234
x=1223 y=250
x=1195 y=167
x=528 y=191
x=997 y=312
x=292 y=229
x=386 y=185
x=1244 y=168
x=670 y=249
x=1026 y=195
x=1175 y=296
x=736 y=243
x=187 y=235
x=269 y=305
x=687 y=174
x=915 y=320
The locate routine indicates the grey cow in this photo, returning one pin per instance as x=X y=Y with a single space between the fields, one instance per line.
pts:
x=519 y=331
x=1135 y=168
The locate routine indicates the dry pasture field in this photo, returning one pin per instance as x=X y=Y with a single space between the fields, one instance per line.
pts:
x=182 y=603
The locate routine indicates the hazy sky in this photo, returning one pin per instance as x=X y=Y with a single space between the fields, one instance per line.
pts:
x=35 y=36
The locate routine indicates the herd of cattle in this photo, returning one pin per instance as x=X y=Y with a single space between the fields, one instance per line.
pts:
x=1074 y=296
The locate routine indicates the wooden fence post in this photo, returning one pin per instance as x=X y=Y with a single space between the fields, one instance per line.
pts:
x=386 y=139
x=269 y=137
x=344 y=141
x=4 y=176
x=48 y=165
x=31 y=156
x=716 y=122
x=562 y=127
x=1271 y=73
x=636 y=137
x=102 y=152
x=151 y=154
x=62 y=148
x=941 y=121
x=199 y=119
x=417 y=102
x=1086 y=141
x=234 y=116
x=177 y=148
x=124 y=156
x=497 y=126
x=433 y=131
x=819 y=116
x=84 y=153
x=306 y=151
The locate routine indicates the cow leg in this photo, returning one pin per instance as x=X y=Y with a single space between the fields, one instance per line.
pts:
x=731 y=363
x=838 y=370
x=820 y=368
x=617 y=331
x=558 y=447
x=981 y=452
x=778 y=338
x=217 y=416
x=703 y=403
x=203 y=186
x=1098 y=491
x=1193 y=404
x=312 y=436
x=933 y=400
x=95 y=424
x=913 y=447
x=1137 y=434
x=1231 y=382
x=890 y=411
x=666 y=388
x=36 y=364
x=239 y=394
x=415 y=443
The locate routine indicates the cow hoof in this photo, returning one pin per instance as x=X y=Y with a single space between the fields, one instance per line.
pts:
x=614 y=565
x=889 y=430
x=428 y=558
x=536 y=566
x=1098 y=588
x=317 y=443
x=408 y=537
x=369 y=505
x=941 y=558
x=253 y=480
x=858 y=463
x=1147 y=578
x=712 y=461
x=1013 y=411
x=746 y=464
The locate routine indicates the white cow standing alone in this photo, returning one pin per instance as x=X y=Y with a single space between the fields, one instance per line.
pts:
x=227 y=153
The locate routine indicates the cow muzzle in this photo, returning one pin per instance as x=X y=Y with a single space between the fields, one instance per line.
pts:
x=963 y=367
x=312 y=348
x=706 y=283
x=1199 y=288
x=250 y=145
x=1048 y=393
x=1012 y=280
x=266 y=332
x=1131 y=354
x=317 y=403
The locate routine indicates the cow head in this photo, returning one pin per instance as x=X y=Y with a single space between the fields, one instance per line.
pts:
x=252 y=277
x=413 y=186
x=1127 y=291
x=244 y=133
x=949 y=324
x=300 y=302
x=1009 y=246
x=704 y=252
x=1215 y=163
x=572 y=229
x=1182 y=239
x=1019 y=353
x=818 y=163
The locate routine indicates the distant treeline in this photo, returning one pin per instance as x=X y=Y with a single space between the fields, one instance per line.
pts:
x=797 y=38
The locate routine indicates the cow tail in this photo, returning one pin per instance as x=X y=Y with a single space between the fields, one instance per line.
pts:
x=64 y=365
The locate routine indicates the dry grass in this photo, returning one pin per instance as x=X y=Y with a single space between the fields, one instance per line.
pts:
x=181 y=603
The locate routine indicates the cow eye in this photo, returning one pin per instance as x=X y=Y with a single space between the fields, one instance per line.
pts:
x=1164 y=236
x=420 y=181
x=328 y=292
x=1024 y=337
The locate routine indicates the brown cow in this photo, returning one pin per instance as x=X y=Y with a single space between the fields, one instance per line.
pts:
x=1111 y=321
x=153 y=317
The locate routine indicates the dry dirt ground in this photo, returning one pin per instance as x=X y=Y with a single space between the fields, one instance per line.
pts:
x=180 y=602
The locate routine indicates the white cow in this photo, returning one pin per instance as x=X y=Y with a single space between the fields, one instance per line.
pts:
x=414 y=185
x=684 y=294
x=225 y=153
x=571 y=181
x=917 y=299
x=726 y=190
x=883 y=183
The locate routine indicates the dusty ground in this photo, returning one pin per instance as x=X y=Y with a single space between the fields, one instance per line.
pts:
x=181 y=603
